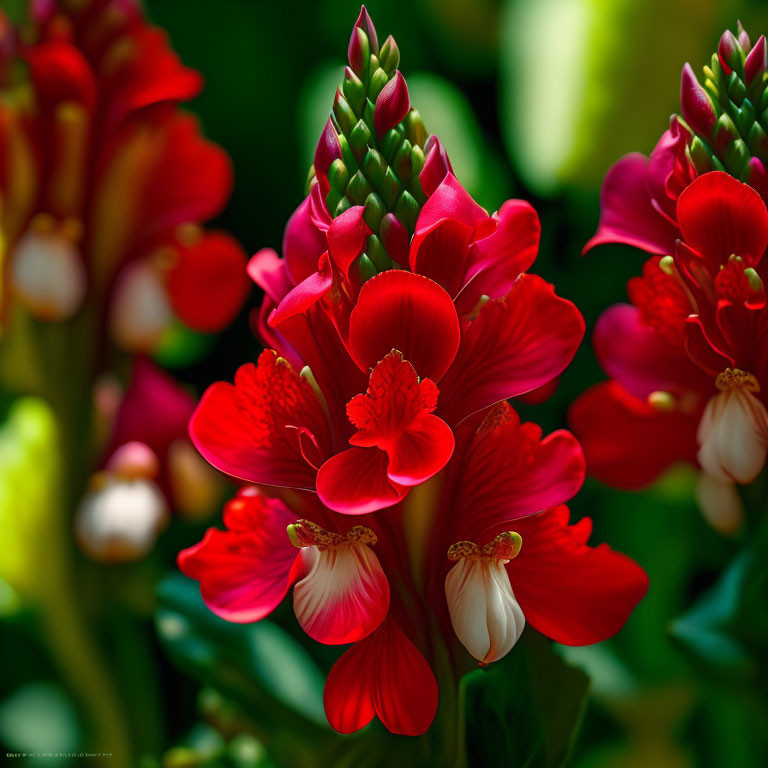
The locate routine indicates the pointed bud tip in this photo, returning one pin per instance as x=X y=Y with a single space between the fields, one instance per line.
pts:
x=756 y=62
x=392 y=104
x=697 y=107
x=729 y=52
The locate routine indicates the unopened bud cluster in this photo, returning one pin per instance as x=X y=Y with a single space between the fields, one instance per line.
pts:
x=377 y=149
x=728 y=113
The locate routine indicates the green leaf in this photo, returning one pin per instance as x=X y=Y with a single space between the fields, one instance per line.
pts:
x=258 y=665
x=523 y=710
x=720 y=631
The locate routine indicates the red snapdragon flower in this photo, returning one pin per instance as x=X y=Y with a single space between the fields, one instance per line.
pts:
x=105 y=181
x=487 y=564
x=417 y=513
x=391 y=375
x=692 y=345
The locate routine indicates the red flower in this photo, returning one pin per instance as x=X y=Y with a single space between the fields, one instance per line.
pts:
x=382 y=405
x=693 y=345
x=104 y=180
x=449 y=363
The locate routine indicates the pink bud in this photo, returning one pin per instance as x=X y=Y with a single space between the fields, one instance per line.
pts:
x=728 y=51
x=328 y=149
x=364 y=22
x=744 y=41
x=436 y=166
x=392 y=104
x=134 y=460
x=395 y=238
x=756 y=62
x=697 y=106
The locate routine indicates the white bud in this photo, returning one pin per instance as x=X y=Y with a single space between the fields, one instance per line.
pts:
x=140 y=312
x=720 y=503
x=120 y=520
x=48 y=275
x=732 y=436
x=484 y=612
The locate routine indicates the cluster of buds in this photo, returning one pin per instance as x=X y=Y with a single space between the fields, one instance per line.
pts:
x=687 y=358
x=389 y=481
x=373 y=150
x=728 y=114
x=105 y=180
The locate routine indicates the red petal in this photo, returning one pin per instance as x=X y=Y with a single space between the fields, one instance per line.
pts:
x=436 y=167
x=303 y=243
x=208 y=284
x=245 y=571
x=269 y=272
x=394 y=414
x=299 y=299
x=421 y=451
x=442 y=254
x=154 y=411
x=720 y=216
x=639 y=358
x=572 y=593
x=346 y=237
x=498 y=260
x=189 y=179
x=626 y=211
x=355 y=482
x=344 y=595
x=515 y=345
x=60 y=73
x=384 y=675
x=627 y=442
x=509 y=472
x=409 y=313
x=251 y=430
x=449 y=201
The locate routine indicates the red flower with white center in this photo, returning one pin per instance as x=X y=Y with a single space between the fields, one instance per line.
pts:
x=381 y=405
x=483 y=583
x=105 y=181
x=692 y=346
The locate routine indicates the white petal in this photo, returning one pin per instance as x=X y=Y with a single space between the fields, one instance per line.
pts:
x=140 y=311
x=719 y=503
x=344 y=596
x=121 y=521
x=732 y=436
x=48 y=275
x=484 y=612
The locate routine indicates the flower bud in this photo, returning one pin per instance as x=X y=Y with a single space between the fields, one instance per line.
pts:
x=47 y=274
x=741 y=33
x=392 y=104
x=140 y=312
x=697 y=107
x=719 y=503
x=389 y=57
x=733 y=432
x=363 y=42
x=729 y=52
x=436 y=165
x=328 y=149
x=134 y=461
x=121 y=520
x=756 y=62
x=485 y=615
x=484 y=612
